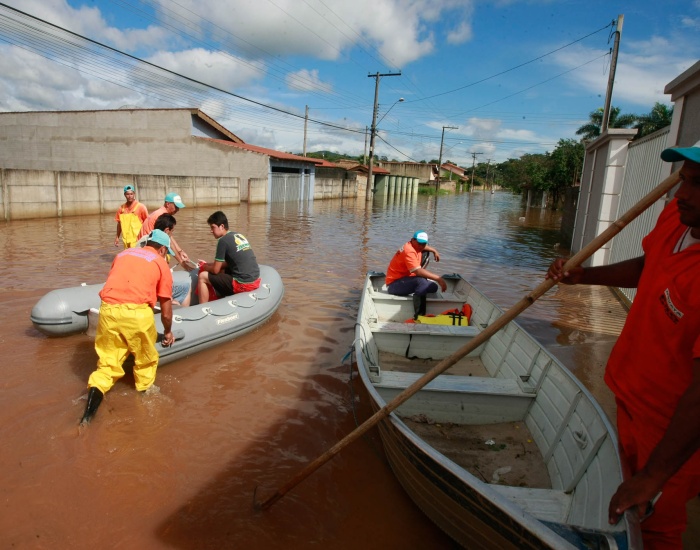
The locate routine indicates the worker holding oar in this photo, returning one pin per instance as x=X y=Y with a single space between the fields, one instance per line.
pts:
x=654 y=368
x=688 y=204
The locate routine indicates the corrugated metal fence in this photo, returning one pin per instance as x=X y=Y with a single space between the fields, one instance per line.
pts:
x=290 y=187
x=642 y=174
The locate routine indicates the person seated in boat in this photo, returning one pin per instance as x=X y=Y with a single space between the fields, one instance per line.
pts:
x=130 y=217
x=182 y=288
x=234 y=269
x=407 y=273
x=138 y=278
x=654 y=368
x=171 y=205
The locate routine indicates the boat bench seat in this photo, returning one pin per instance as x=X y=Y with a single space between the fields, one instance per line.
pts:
x=544 y=504
x=460 y=399
x=425 y=329
x=455 y=384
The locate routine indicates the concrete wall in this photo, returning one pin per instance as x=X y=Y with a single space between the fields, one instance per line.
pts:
x=28 y=194
x=138 y=141
x=257 y=191
x=685 y=94
x=424 y=172
x=331 y=188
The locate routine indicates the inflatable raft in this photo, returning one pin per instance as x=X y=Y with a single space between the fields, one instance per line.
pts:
x=197 y=327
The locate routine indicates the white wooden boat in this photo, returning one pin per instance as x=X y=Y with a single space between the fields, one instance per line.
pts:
x=506 y=449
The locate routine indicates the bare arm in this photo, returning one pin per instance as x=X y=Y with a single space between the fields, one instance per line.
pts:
x=119 y=233
x=180 y=254
x=679 y=443
x=622 y=274
x=166 y=317
x=212 y=267
x=434 y=251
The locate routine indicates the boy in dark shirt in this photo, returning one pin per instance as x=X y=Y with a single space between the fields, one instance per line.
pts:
x=234 y=268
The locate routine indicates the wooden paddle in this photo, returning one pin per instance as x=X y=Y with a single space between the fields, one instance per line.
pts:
x=498 y=324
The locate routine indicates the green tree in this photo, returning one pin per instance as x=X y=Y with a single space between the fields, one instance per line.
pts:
x=565 y=163
x=659 y=117
x=591 y=130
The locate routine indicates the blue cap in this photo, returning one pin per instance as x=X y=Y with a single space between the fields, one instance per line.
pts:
x=175 y=199
x=421 y=237
x=161 y=237
x=675 y=154
x=129 y=188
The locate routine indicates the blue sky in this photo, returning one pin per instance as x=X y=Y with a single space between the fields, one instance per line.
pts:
x=513 y=76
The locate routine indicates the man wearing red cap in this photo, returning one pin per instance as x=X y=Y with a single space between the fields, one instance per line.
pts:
x=129 y=218
x=654 y=368
x=407 y=275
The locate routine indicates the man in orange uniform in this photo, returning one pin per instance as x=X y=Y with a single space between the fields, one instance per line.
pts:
x=406 y=274
x=171 y=205
x=139 y=277
x=654 y=368
x=129 y=218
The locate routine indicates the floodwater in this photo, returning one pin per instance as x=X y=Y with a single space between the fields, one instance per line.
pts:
x=178 y=468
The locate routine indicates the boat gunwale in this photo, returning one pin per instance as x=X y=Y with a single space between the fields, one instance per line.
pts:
x=516 y=512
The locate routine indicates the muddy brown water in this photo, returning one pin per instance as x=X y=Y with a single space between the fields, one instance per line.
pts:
x=178 y=468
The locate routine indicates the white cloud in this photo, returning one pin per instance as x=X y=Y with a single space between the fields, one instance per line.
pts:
x=643 y=70
x=88 y=21
x=399 y=30
x=463 y=33
x=690 y=22
x=213 y=68
x=31 y=82
x=306 y=80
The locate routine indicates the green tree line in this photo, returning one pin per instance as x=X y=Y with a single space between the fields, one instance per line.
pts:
x=553 y=172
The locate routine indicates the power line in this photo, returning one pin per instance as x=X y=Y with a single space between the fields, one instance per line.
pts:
x=148 y=64
x=513 y=68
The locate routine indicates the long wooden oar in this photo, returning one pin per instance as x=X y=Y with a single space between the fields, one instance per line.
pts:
x=498 y=324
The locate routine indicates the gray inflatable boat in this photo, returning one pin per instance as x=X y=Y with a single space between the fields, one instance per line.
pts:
x=197 y=327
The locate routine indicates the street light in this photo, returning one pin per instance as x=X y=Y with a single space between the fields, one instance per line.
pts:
x=389 y=109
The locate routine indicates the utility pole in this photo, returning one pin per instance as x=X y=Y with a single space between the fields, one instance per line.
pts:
x=373 y=130
x=366 y=134
x=306 y=120
x=488 y=164
x=473 y=165
x=442 y=141
x=611 y=76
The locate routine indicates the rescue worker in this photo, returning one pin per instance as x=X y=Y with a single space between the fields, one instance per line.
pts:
x=654 y=368
x=139 y=277
x=130 y=216
x=171 y=205
x=407 y=273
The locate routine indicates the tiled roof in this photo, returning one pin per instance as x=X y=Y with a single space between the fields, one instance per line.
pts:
x=272 y=153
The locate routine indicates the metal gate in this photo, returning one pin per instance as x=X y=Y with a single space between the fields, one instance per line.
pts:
x=290 y=187
x=642 y=174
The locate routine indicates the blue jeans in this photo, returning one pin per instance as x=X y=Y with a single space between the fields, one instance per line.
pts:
x=418 y=286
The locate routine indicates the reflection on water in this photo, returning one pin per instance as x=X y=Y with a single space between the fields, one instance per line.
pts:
x=178 y=468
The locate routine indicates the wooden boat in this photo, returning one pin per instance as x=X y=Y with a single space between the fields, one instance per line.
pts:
x=197 y=327
x=506 y=449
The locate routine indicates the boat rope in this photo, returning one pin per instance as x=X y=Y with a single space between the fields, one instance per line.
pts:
x=208 y=311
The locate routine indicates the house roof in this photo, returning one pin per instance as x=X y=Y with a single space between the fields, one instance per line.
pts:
x=365 y=169
x=272 y=153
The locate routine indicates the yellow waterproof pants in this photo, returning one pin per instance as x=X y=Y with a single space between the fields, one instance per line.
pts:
x=124 y=329
x=131 y=226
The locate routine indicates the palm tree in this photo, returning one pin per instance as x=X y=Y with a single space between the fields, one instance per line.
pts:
x=659 y=117
x=591 y=130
